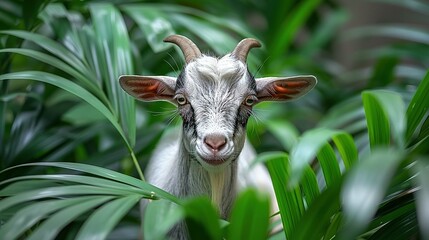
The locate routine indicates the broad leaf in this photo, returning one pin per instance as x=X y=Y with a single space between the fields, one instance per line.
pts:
x=245 y=224
x=365 y=187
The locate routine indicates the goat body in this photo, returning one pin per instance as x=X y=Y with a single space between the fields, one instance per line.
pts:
x=210 y=155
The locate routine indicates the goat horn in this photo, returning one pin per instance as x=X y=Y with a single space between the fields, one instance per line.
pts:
x=242 y=49
x=189 y=49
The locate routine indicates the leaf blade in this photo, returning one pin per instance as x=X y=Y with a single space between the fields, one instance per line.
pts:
x=104 y=219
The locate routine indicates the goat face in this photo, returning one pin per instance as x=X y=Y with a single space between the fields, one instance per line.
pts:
x=215 y=99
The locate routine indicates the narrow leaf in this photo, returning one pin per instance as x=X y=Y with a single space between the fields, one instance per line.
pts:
x=418 y=107
x=105 y=218
x=291 y=25
x=377 y=121
x=285 y=132
x=309 y=186
x=58 y=192
x=70 y=87
x=422 y=196
x=383 y=73
x=55 y=62
x=329 y=164
x=30 y=215
x=114 y=56
x=407 y=33
x=317 y=219
x=106 y=173
x=56 y=222
x=50 y=45
x=94 y=181
x=310 y=144
x=289 y=200
x=385 y=114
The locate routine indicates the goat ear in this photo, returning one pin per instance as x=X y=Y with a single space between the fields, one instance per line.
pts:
x=149 y=88
x=283 y=88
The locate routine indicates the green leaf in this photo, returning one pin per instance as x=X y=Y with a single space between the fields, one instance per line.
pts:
x=385 y=112
x=335 y=224
x=310 y=144
x=58 y=192
x=114 y=58
x=346 y=116
x=424 y=130
x=289 y=200
x=25 y=185
x=159 y=217
x=220 y=41
x=317 y=219
x=93 y=181
x=202 y=219
x=404 y=227
x=383 y=73
x=105 y=173
x=285 y=132
x=309 y=186
x=422 y=196
x=393 y=210
x=78 y=115
x=70 y=87
x=403 y=32
x=56 y=222
x=325 y=31
x=81 y=93
x=347 y=149
x=32 y=214
x=167 y=9
x=105 y=218
x=153 y=23
x=377 y=121
x=55 y=62
x=414 y=5
x=418 y=107
x=249 y=216
x=329 y=164
x=51 y=46
x=365 y=187
x=291 y=25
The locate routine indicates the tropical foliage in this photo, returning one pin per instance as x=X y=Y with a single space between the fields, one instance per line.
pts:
x=348 y=161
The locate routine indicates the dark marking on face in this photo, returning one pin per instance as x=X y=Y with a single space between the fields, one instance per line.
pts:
x=188 y=116
x=243 y=115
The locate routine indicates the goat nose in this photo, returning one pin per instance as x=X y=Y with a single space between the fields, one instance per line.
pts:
x=215 y=141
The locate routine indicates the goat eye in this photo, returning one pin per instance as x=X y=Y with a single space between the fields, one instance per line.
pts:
x=181 y=100
x=250 y=100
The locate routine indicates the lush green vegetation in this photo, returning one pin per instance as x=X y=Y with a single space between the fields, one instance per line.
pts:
x=348 y=161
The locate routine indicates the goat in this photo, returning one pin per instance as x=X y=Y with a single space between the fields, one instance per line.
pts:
x=214 y=97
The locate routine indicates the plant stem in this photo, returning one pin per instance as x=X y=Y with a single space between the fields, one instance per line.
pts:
x=136 y=164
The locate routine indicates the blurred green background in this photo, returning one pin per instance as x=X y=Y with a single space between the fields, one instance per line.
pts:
x=348 y=161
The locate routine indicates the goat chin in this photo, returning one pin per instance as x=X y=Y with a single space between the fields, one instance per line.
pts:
x=169 y=170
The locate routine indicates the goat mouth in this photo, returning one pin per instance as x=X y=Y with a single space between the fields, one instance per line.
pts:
x=212 y=160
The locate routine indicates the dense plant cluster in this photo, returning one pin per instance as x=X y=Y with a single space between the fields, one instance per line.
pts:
x=348 y=161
